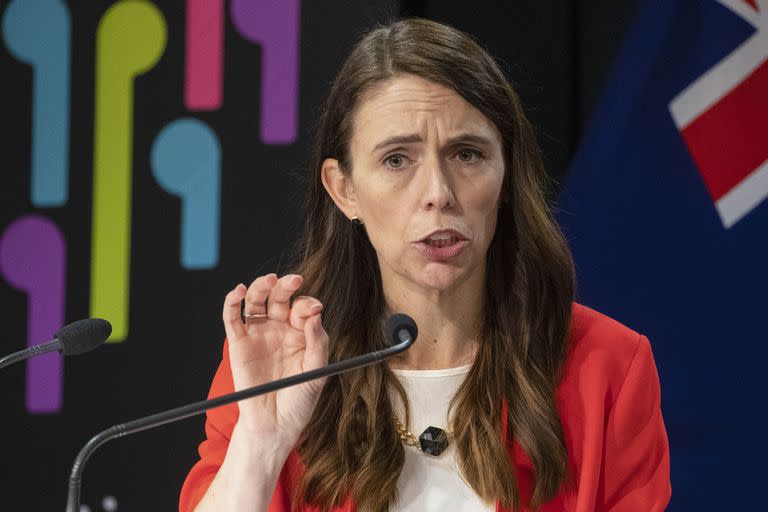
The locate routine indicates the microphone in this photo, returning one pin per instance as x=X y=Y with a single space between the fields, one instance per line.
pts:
x=76 y=338
x=400 y=329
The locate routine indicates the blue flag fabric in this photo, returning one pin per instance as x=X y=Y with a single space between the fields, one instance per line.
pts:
x=665 y=210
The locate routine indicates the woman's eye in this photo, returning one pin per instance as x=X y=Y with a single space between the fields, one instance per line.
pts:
x=469 y=156
x=395 y=161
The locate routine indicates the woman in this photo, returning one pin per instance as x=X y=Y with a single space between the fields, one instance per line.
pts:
x=427 y=197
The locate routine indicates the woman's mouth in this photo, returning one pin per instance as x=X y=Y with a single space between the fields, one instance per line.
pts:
x=441 y=242
x=441 y=246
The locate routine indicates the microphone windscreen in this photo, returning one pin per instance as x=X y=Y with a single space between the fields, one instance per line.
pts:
x=84 y=335
x=397 y=323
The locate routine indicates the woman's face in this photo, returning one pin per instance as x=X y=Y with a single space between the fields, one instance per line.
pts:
x=426 y=175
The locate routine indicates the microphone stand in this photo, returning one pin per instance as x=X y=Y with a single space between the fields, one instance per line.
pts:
x=76 y=338
x=36 y=350
x=186 y=411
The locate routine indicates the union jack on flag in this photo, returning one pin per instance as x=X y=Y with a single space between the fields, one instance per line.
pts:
x=665 y=209
x=723 y=117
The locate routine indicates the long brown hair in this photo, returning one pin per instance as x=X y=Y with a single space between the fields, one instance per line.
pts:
x=350 y=447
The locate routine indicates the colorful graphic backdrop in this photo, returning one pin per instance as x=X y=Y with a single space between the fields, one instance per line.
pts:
x=152 y=154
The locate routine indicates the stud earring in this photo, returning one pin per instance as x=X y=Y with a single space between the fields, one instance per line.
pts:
x=356 y=221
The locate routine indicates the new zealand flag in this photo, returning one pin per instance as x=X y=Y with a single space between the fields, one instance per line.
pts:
x=665 y=210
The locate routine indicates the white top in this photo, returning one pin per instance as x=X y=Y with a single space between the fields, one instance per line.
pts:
x=427 y=483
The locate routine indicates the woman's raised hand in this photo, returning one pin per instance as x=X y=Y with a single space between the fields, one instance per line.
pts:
x=290 y=339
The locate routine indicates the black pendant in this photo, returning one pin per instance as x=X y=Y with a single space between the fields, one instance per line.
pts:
x=433 y=441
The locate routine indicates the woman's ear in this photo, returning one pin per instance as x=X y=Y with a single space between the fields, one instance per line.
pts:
x=339 y=186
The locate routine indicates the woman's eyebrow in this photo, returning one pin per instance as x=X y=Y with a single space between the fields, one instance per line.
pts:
x=469 y=138
x=409 y=139
x=398 y=139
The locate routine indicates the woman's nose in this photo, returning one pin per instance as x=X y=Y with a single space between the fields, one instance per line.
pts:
x=436 y=186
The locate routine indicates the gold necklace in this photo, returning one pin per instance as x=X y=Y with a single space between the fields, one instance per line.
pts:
x=433 y=441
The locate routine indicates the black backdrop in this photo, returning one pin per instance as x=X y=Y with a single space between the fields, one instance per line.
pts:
x=556 y=52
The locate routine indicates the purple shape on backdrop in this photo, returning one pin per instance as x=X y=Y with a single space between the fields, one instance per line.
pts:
x=275 y=26
x=33 y=256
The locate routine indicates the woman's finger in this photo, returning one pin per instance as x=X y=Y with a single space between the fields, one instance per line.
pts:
x=278 y=303
x=302 y=308
x=233 y=322
x=256 y=297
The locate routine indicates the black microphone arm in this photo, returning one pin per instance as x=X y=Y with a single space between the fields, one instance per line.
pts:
x=402 y=328
x=75 y=338
x=36 y=350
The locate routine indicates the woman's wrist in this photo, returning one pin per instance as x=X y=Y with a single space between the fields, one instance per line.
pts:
x=247 y=478
x=272 y=447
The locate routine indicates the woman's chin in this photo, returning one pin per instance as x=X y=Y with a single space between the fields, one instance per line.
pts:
x=441 y=279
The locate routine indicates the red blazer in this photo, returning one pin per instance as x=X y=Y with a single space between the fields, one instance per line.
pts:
x=609 y=404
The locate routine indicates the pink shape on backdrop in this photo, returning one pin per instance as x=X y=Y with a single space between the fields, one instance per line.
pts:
x=204 y=54
x=33 y=259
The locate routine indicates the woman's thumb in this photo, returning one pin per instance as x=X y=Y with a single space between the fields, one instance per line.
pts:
x=316 y=353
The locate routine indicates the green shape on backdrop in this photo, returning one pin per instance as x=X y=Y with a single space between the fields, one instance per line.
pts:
x=130 y=39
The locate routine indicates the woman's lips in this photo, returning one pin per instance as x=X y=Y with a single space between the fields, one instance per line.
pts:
x=441 y=249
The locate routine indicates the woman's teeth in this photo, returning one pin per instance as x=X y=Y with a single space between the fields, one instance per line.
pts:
x=441 y=242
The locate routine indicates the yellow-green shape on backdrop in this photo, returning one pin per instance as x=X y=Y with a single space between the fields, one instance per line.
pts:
x=130 y=39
